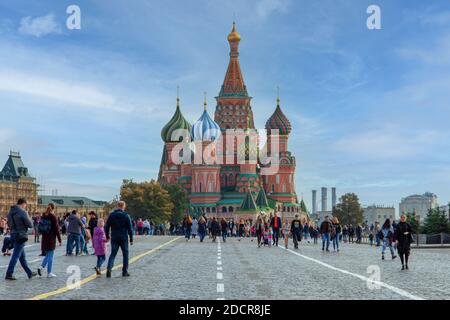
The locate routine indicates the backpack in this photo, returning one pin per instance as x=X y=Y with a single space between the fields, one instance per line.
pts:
x=44 y=226
x=332 y=231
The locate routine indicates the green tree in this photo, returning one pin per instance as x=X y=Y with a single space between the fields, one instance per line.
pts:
x=411 y=218
x=436 y=222
x=349 y=210
x=148 y=200
x=179 y=200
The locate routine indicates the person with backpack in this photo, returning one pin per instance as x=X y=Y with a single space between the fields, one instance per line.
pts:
x=187 y=227
x=296 y=230
x=36 y=219
x=387 y=236
x=202 y=228
x=215 y=229
x=224 y=227
x=49 y=229
x=19 y=221
x=335 y=233
x=325 y=228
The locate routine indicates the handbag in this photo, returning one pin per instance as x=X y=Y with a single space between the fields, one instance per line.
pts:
x=18 y=237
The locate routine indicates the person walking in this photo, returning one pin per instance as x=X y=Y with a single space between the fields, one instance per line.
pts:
x=325 y=228
x=19 y=222
x=36 y=219
x=224 y=227
x=259 y=229
x=351 y=234
x=99 y=244
x=119 y=224
x=276 y=225
x=202 y=228
x=215 y=229
x=74 y=226
x=286 y=231
x=187 y=227
x=92 y=224
x=387 y=238
x=194 y=228
x=403 y=236
x=296 y=230
x=49 y=229
x=336 y=233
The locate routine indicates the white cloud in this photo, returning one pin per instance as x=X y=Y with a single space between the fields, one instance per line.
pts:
x=387 y=143
x=39 y=26
x=102 y=166
x=266 y=7
x=58 y=89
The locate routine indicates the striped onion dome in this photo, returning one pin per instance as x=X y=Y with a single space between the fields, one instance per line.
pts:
x=278 y=121
x=177 y=122
x=205 y=129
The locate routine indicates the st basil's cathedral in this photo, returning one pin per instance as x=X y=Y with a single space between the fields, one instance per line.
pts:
x=231 y=188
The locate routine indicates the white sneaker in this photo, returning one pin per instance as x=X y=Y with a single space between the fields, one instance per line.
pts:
x=51 y=275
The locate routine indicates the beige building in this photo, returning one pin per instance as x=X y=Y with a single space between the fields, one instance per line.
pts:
x=378 y=214
x=16 y=182
x=64 y=204
x=418 y=204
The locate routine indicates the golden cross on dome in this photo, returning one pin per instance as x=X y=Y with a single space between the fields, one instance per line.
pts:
x=178 y=96
x=278 y=96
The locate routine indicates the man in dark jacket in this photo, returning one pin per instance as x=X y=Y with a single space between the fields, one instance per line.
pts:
x=19 y=222
x=296 y=230
x=275 y=223
x=74 y=226
x=119 y=223
x=92 y=222
x=325 y=229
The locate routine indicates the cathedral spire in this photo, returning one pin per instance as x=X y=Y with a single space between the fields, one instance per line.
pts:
x=233 y=84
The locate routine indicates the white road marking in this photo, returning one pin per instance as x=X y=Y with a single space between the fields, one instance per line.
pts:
x=220 y=287
x=219 y=263
x=379 y=283
x=219 y=276
x=219 y=268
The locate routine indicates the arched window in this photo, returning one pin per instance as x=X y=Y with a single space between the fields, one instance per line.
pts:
x=273 y=188
x=208 y=210
x=230 y=209
x=213 y=209
x=224 y=209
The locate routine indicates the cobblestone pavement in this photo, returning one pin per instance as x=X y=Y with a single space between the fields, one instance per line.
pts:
x=171 y=268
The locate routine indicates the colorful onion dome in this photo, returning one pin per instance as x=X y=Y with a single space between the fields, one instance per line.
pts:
x=278 y=121
x=234 y=35
x=205 y=129
x=177 y=122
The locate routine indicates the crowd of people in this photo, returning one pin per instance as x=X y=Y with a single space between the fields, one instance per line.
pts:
x=119 y=229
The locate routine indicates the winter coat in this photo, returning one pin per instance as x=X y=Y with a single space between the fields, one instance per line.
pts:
x=74 y=224
x=49 y=239
x=403 y=234
x=99 y=241
x=119 y=223
x=21 y=220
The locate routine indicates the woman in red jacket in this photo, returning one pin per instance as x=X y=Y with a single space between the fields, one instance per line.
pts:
x=50 y=231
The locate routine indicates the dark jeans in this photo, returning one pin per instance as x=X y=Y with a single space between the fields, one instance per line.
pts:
x=18 y=255
x=296 y=236
x=201 y=234
x=276 y=235
x=115 y=245
x=187 y=233
x=71 y=238
x=224 y=236
x=100 y=260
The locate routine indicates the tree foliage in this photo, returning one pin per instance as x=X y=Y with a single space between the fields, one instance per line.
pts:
x=179 y=200
x=411 y=218
x=349 y=210
x=436 y=222
x=147 y=200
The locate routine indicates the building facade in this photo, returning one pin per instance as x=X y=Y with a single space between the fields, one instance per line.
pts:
x=221 y=171
x=418 y=204
x=376 y=213
x=16 y=182
x=65 y=204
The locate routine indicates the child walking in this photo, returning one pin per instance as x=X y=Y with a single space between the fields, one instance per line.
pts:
x=99 y=244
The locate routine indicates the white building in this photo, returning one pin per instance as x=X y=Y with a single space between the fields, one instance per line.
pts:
x=376 y=213
x=418 y=204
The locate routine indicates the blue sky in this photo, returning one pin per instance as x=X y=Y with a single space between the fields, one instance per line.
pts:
x=370 y=108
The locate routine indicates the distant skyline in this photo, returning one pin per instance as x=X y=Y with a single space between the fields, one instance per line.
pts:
x=370 y=109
